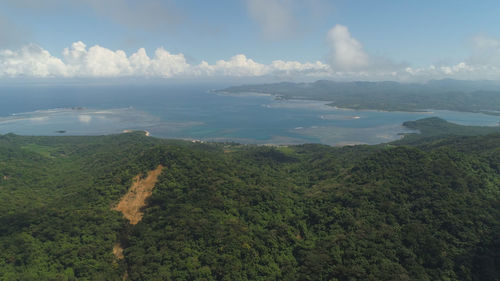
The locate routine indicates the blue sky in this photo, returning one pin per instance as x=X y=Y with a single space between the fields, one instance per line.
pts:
x=337 y=39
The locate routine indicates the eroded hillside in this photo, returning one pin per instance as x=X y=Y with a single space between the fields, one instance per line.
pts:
x=131 y=204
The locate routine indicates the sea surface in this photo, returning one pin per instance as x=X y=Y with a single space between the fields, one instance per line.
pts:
x=196 y=113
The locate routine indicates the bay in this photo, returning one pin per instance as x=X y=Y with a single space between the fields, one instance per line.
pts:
x=193 y=112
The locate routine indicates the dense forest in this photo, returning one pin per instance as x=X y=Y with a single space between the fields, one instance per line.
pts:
x=446 y=94
x=424 y=208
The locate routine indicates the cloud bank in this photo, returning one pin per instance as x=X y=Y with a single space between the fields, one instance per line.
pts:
x=483 y=63
x=347 y=60
x=80 y=61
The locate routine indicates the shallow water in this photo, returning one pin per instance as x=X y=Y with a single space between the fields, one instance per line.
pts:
x=191 y=112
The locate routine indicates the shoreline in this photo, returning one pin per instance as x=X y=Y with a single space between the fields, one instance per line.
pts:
x=146 y=132
x=331 y=104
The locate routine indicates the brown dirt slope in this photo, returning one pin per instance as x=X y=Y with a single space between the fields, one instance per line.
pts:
x=118 y=251
x=131 y=203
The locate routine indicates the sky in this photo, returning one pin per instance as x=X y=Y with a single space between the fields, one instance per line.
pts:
x=294 y=40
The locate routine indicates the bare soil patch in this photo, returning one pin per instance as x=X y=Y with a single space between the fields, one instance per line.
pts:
x=118 y=251
x=131 y=203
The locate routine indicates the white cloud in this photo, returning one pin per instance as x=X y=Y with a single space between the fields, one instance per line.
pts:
x=140 y=61
x=293 y=68
x=97 y=61
x=483 y=63
x=346 y=52
x=75 y=54
x=348 y=62
x=30 y=60
x=238 y=65
x=241 y=66
x=163 y=64
x=167 y=65
x=461 y=70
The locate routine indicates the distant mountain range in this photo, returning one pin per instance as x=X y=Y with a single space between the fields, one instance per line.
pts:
x=446 y=94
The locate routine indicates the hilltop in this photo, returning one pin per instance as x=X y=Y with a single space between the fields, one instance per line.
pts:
x=223 y=211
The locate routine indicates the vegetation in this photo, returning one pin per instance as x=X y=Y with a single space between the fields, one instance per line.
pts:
x=436 y=128
x=469 y=96
x=425 y=211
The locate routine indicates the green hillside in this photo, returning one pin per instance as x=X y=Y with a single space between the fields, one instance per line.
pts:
x=434 y=128
x=429 y=211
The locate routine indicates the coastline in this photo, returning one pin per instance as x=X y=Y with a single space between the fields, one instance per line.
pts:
x=146 y=132
x=372 y=109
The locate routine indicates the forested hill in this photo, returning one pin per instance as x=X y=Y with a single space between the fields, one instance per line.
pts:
x=233 y=212
x=447 y=94
x=434 y=128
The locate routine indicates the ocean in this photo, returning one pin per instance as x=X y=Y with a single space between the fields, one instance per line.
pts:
x=194 y=112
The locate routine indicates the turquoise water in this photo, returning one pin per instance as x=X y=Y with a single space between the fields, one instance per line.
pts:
x=192 y=112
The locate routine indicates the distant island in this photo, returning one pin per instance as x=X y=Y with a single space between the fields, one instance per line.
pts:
x=446 y=94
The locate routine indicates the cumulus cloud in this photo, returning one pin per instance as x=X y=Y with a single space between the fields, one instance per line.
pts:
x=461 y=70
x=241 y=66
x=346 y=52
x=238 y=65
x=167 y=65
x=483 y=63
x=293 y=68
x=31 y=61
x=78 y=60
x=348 y=61
x=96 y=61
